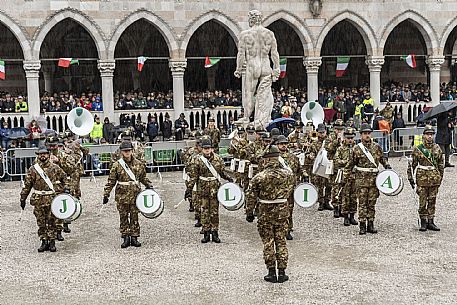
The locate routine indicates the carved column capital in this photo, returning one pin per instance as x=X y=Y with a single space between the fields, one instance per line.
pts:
x=178 y=66
x=32 y=68
x=434 y=62
x=106 y=67
x=374 y=63
x=312 y=64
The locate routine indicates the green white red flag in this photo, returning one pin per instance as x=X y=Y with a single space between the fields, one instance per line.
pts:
x=2 y=69
x=282 y=67
x=66 y=62
x=141 y=61
x=410 y=60
x=211 y=61
x=342 y=64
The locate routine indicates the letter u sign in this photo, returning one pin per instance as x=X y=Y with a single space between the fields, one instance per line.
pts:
x=146 y=201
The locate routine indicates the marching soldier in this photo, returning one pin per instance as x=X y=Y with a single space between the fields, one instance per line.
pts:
x=331 y=145
x=214 y=133
x=428 y=164
x=346 y=187
x=290 y=162
x=126 y=174
x=296 y=137
x=365 y=159
x=255 y=151
x=207 y=169
x=239 y=150
x=270 y=190
x=47 y=179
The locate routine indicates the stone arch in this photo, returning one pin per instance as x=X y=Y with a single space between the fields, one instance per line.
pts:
x=229 y=24
x=422 y=24
x=152 y=18
x=89 y=25
x=358 y=22
x=447 y=33
x=19 y=33
x=292 y=20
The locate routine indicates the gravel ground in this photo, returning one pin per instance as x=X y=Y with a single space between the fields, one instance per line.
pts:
x=328 y=264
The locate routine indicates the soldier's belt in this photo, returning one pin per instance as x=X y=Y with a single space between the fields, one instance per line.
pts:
x=207 y=178
x=280 y=200
x=427 y=168
x=44 y=192
x=236 y=159
x=128 y=183
x=254 y=165
x=366 y=169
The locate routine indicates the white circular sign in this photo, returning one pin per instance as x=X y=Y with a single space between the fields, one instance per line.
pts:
x=63 y=206
x=305 y=195
x=230 y=196
x=78 y=211
x=148 y=201
x=389 y=182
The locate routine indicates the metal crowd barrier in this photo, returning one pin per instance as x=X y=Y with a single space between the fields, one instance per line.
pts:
x=380 y=137
x=99 y=159
x=454 y=141
x=18 y=161
x=404 y=139
x=3 y=165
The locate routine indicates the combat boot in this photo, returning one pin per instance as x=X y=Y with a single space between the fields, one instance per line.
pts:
x=346 y=220
x=423 y=227
x=431 y=225
x=363 y=228
x=321 y=206
x=205 y=238
x=52 y=245
x=215 y=237
x=44 y=246
x=66 y=228
x=282 y=277
x=59 y=236
x=289 y=235
x=352 y=219
x=271 y=276
x=336 y=212
x=126 y=242
x=370 y=227
x=198 y=224
x=134 y=241
x=328 y=206
x=191 y=207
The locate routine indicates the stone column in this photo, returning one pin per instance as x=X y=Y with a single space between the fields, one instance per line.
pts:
x=48 y=70
x=177 y=67
x=106 y=68
x=312 y=65
x=32 y=74
x=434 y=65
x=374 y=64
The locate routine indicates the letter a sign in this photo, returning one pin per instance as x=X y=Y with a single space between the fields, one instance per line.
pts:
x=389 y=182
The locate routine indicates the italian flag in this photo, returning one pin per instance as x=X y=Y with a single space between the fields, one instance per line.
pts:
x=282 y=67
x=211 y=61
x=410 y=60
x=341 y=65
x=66 y=62
x=2 y=69
x=141 y=61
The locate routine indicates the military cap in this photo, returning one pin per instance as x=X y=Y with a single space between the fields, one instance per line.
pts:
x=240 y=129
x=429 y=129
x=309 y=123
x=211 y=119
x=206 y=142
x=52 y=140
x=198 y=134
x=265 y=136
x=250 y=128
x=275 y=132
x=259 y=128
x=321 y=127
x=349 y=133
x=365 y=128
x=271 y=152
x=281 y=139
x=298 y=124
x=42 y=150
x=339 y=124
x=126 y=145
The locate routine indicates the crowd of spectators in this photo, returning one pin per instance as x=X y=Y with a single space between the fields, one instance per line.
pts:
x=212 y=99
x=12 y=103
x=65 y=101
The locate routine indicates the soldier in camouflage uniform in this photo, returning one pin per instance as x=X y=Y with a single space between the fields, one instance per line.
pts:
x=428 y=166
x=307 y=144
x=208 y=183
x=43 y=195
x=255 y=151
x=319 y=182
x=296 y=137
x=127 y=189
x=78 y=153
x=214 y=133
x=290 y=162
x=138 y=148
x=346 y=187
x=332 y=143
x=270 y=190
x=239 y=150
x=365 y=172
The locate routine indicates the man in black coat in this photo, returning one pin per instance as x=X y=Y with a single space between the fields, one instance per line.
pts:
x=444 y=135
x=166 y=129
x=180 y=127
x=152 y=129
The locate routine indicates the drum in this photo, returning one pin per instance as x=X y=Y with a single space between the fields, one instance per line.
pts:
x=64 y=206
x=305 y=195
x=149 y=203
x=230 y=196
x=322 y=164
x=389 y=182
x=79 y=210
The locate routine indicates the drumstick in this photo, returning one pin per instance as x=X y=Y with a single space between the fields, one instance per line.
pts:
x=20 y=215
x=179 y=203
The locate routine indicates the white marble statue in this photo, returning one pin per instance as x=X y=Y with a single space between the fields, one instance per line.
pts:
x=254 y=48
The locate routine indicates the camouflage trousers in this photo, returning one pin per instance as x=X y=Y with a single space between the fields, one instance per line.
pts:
x=128 y=218
x=60 y=222
x=46 y=221
x=335 y=189
x=427 y=201
x=209 y=213
x=291 y=203
x=242 y=180
x=76 y=186
x=349 y=198
x=196 y=204
x=273 y=237
x=367 y=197
x=324 y=188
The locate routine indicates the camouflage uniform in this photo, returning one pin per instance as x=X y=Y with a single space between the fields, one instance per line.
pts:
x=78 y=154
x=240 y=151
x=321 y=183
x=41 y=203
x=273 y=183
x=188 y=157
x=138 y=153
x=347 y=188
x=126 y=192
x=215 y=135
x=428 y=164
x=331 y=145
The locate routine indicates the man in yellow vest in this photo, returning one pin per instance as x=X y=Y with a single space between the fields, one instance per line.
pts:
x=358 y=114
x=97 y=131
x=21 y=105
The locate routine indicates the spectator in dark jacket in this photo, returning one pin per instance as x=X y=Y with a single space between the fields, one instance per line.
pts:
x=180 y=127
x=444 y=135
x=166 y=127
x=152 y=129
x=108 y=131
x=398 y=123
